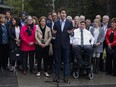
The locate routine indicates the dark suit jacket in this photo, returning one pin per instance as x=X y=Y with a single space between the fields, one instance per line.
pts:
x=49 y=24
x=12 y=37
x=62 y=38
x=1 y=32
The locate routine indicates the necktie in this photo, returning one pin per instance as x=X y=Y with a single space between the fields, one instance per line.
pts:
x=62 y=27
x=81 y=37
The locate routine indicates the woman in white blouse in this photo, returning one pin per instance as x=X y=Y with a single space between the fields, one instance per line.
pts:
x=14 y=38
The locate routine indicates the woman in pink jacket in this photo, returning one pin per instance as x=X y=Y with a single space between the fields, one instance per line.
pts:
x=27 y=44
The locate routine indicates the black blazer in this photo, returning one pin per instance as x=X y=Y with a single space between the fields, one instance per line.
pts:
x=1 y=32
x=12 y=37
x=49 y=24
x=62 y=38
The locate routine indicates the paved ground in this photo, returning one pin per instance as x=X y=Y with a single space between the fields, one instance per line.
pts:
x=8 y=79
x=100 y=80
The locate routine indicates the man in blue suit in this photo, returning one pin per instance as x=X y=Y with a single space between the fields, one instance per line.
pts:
x=62 y=29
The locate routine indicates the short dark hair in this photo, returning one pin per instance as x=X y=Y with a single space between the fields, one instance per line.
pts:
x=62 y=9
x=9 y=12
x=83 y=22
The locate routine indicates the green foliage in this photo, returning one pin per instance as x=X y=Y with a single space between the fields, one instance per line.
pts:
x=17 y=4
x=89 y=8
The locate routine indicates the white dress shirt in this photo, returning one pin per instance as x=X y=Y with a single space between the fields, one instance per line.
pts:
x=62 y=24
x=88 y=39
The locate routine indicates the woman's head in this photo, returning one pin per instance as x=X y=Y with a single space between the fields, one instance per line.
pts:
x=42 y=21
x=96 y=22
x=15 y=21
x=29 y=20
x=35 y=20
x=2 y=18
x=113 y=22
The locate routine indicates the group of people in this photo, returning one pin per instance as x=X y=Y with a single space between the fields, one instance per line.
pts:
x=58 y=40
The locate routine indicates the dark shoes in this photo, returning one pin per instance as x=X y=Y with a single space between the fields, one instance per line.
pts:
x=56 y=79
x=66 y=80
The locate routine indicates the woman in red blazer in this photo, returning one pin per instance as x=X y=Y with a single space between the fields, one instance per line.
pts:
x=27 y=44
x=111 y=48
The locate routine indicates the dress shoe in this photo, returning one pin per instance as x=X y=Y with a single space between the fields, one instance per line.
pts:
x=32 y=71
x=66 y=80
x=56 y=79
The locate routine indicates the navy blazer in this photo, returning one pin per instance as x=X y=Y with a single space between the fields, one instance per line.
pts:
x=62 y=38
x=49 y=24
x=1 y=32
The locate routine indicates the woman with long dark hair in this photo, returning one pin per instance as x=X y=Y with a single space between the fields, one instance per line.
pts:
x=14 y=38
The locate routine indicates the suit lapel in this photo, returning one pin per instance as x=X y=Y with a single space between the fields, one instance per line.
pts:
x=59 y=25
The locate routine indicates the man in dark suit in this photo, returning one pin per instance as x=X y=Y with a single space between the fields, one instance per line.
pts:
x=51 y=57
x=62 y=29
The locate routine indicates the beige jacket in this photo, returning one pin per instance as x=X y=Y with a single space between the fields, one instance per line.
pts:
x=47 y=37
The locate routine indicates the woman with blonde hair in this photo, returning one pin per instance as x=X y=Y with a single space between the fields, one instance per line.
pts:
x=98 y=34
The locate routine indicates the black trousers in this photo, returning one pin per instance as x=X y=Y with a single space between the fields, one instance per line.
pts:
x=25 y=56
x=88 y=51
x=101 y=61
x=4 y=54
x=111 y=61
x=42 y=53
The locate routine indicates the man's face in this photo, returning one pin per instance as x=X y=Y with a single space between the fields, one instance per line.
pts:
x=82 y=25
x=63 y=14
x=105 y=20
x=88 y=22
x=8 y=15
x=54 y=16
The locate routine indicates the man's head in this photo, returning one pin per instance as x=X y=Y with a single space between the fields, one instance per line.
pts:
x=8 y=14
x=82 y=18
x=54 y=16
x=88 y=22
x=63 y=14
x=23 y=14
x=98 y=17
x=82 y=25
x=105 y=19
